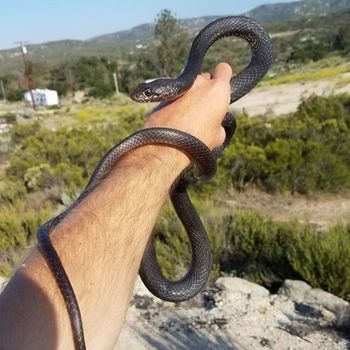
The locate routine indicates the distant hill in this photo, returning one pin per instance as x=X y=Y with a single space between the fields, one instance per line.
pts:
x=109 y=45
x=115 y=44
x=264 y=13
x=297 y=10
x=144 y=32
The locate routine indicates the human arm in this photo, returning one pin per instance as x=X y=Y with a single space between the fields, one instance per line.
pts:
x=102 y=242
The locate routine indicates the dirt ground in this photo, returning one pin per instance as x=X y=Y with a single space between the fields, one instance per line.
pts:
x=285 y=98
x=321 y=210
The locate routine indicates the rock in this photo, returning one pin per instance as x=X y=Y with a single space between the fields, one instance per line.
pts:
x=294 y=290
x=264 y=342
x=307 y=310
x=329 y=301
x=210 y=300
x=237 y=314
x=141 y=290
x=328 y=316
x=220 y=322
x=78 y=97
x=302 y=293
x=142 y=302
x=3 y=281
x=4 y=127
x=239 y=285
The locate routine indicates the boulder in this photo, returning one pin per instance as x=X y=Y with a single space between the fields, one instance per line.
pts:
x=329 y=301
x=301 y=292
x=239 y=285
x=294 y=290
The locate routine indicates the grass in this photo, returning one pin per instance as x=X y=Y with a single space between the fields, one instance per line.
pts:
x=343 y=81
x=111 y=111
x=307 y=76
x=18 y=226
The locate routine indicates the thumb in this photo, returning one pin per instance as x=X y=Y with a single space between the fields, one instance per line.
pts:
x=223 y=72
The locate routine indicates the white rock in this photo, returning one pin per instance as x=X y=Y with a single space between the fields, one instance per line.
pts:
x=294 y=290
x=328 y=316
x=301 y=292
x=3 y=281
x=329 y=301
x=141 y=290
x=250 y=320
x=239 y=285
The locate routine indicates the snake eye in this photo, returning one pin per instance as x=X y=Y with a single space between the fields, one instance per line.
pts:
x=148 y=92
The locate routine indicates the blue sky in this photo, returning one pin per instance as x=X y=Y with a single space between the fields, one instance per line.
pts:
x=38 y=21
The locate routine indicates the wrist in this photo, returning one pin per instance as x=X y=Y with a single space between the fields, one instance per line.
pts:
x=164 y=159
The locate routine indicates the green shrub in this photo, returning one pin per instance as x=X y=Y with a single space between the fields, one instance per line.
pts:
x=309 y=51
x=8 y=117
x=305 y=152
x=288 y=250
x=14 y=95
x=18 y=225
x=94 y=74
x=323 y=258
x=38 y=177
x=11 y=191
x=250 y=245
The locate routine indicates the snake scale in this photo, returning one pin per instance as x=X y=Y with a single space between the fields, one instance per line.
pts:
x=205 y=161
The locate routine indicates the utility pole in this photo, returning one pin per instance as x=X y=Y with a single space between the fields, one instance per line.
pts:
x=26 y=73
x=2 y=90
x=116 y=84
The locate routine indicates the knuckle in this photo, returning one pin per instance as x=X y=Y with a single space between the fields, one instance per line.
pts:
x=221 y=86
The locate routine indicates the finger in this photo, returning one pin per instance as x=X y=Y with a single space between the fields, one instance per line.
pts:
x=223 y=71
x=206 y=76
x=221 y=136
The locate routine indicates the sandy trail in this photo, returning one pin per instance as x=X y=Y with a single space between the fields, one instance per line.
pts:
x=285 y=98
x=320 y=210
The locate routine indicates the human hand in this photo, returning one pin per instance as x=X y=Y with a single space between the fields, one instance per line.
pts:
x=201 y=109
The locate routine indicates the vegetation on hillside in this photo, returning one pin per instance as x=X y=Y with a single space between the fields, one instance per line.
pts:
x=306 y=152
x=91 y=74
x=297 y=43
x=302 y=9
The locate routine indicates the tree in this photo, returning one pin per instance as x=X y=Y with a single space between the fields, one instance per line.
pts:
x=93 y=74
x=63 y=79
x=172 y=43
x=341 y=40
x=143 y=66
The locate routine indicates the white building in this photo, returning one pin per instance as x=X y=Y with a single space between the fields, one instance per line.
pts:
x=42 y=97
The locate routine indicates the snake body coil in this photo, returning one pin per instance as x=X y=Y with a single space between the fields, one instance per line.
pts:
x=159 y=90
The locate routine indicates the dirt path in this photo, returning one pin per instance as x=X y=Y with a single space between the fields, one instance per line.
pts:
x=285 y=98
x=322 y=210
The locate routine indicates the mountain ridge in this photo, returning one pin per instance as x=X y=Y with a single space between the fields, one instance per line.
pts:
x=113 y=44
x=297 y=9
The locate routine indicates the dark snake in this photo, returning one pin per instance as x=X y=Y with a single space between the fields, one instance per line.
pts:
x=205 y=161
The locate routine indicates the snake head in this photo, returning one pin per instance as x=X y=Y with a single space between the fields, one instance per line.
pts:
x=156 y=91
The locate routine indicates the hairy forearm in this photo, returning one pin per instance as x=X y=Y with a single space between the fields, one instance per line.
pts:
x=100 y=244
